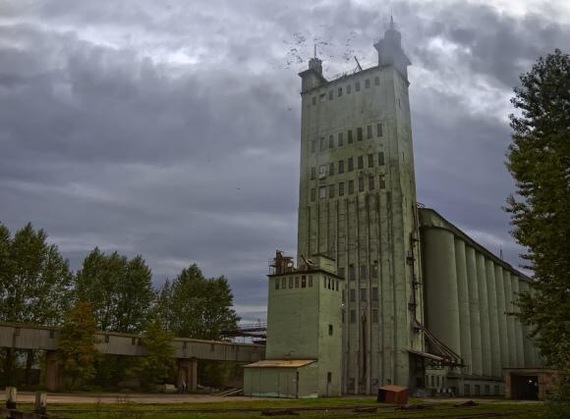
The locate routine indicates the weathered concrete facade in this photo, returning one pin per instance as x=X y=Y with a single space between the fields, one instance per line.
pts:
x=357 y=204
x=469 y=296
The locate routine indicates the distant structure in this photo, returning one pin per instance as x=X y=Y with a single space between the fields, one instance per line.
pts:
x=421 y=304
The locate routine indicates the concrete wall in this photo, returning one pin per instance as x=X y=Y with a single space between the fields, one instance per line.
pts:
x=282 y=382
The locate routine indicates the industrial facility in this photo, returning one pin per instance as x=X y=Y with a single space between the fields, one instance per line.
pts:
x=384 y=291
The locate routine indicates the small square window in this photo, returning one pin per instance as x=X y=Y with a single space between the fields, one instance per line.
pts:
x=339 y=91
x=340 y=167
x=371 y=160
x=349 y=136
x=340 y=139
x=341 y=190
x=313 y=194
x=367 y=83
x=371 y=183
x=359 y=134
x=381 y=158
x=350 y=187
x=361 y=184
x=331 y=169
x=322 y=192
x=379 y=131
x=331 y=191
x=348 y=89
x=350 y=164
x=331 y=141
x=314 y=100
x=357 y=86
x=360 y=162
x=377 y=81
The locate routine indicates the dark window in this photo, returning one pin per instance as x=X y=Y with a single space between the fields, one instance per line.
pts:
x=322 y=192
x=374 y=294
x=356 y=87
x=329 y=374
x=331 y=191
x=359 y=134
x=313 y=172
x=369 y=131
x=341 y=189
x=348 y=89
x=349 y=136
x=381 y=158
x=313 y=146
x=351 y=187
x=52 y=334
x=313 y=194
x=374 y=315
x=283 y=283
x=361 y=184
x=330 y=331
x=314 y=100
x=351 y=272
x=371 y=160
x=341 y=167
x=377 y=81
x=367 y=83
x=290 y=282
x=363 y=294
x=322 y=144
x=379 y=132
x=340 y=139
x=363 y=272
x=381 y=182
x=370 y=183
x=350 y=164
x=352 y=295
x=487 y=390
x=303 y=281
x=331 y=168
x=341 y=274
x=277 y=283
x=310 y=281
x=352 y=316
x=322 y=97
x=339 y=91
x=360 y=162
x=331 y=141
x=331 y=95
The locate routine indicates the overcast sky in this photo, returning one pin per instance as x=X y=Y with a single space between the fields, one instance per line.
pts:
x=171 y=129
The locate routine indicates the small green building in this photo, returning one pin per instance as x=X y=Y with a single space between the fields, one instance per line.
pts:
x=304 y=332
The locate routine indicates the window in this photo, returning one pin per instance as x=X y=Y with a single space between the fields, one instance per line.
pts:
x=290 y=282
x=363 y=294
x=339 y=91
x=349 y=136
x=466 y=389
x=351 y=272
x=374 y=315
x=374 y=294
x=296 y=282
x=341 y=167
x=381 y=158
x=322 y=192
x=350 y=164
x=487 y=390
x=374 y=270
x=313 y=194
x=348 y=89
x=352 y=316
x=341 y=274
x=352 y=295
x=369 y=131
x=330 y=332
x=322 y=171
x=331 y=169
x=350 y=187
x=329 y=374
x=359 y=134
x=357 y=86
x=310 y=281
x=283 y=283
x=341 y=193
x=381 y=182
x=331 y=141
x=360 y=184
x=331 y=93
x=360 y=162
x=322 y=144
x=370 y=183
x=340 y=139
x=379 y=132
x=314 y=100
x=313 y=172
x=52 y=334
x=303 y=281
x=313 y=146
x=371 y=160
x=376 y=81
x=367 y=83
x=322 y=97
x=277 y=282
x=363 y=272
x=331 y=191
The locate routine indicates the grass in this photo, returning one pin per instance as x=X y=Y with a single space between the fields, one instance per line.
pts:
x=329 y=407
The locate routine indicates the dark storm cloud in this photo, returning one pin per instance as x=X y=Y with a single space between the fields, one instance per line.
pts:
x=171 y=129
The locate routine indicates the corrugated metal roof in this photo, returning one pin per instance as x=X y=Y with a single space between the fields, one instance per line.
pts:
x=281 y=363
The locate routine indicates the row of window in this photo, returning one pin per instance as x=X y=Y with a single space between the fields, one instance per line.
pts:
x=347 y=89
x=329 y=168
x=352 y=316
x=330 y=191
x=304 y=282
x=363 y=271
x=324 y=144
x=363 y=295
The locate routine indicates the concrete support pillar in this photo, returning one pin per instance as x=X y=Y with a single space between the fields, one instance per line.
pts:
x=518 y=325
x=510 y=320
x=187 y=372
x=503 y=334
x=53 y=371
x=484 y=307
x=441 y=287
x=493 y=317
x=474 y=312
x=464 y=312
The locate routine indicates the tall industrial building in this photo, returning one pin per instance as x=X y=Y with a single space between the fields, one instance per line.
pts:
x=357 y=204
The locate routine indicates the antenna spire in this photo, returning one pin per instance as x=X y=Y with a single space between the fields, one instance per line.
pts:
x=392 y=26
x=315 y=50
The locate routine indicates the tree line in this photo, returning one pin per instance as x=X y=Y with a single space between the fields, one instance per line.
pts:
x=110 y=292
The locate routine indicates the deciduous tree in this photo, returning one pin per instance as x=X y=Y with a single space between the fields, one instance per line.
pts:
x=159 y=363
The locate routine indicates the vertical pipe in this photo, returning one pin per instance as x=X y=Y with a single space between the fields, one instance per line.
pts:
x=494 y=327
x=463 y=297
x=484 y=307
x=503 y=333
x=474 y=312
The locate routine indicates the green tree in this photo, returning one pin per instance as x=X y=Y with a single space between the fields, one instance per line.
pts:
x=159 y=363
x=539 y=161
x=120 y=290
x=197 y=307
x=77 y=340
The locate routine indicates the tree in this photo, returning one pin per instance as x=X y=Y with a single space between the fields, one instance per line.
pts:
x=159 y=363
x=77 y=340
x=197 y=307
x=120 y=290
x=539 y=161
